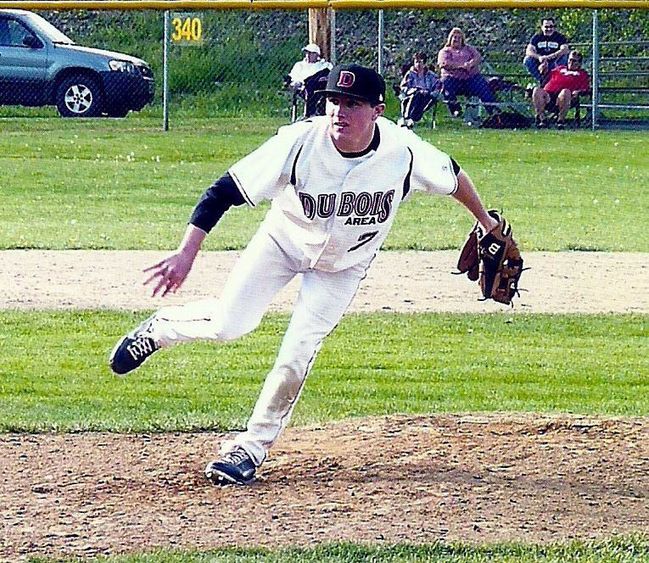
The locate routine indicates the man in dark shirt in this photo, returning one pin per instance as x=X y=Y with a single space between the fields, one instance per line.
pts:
x=545 y=51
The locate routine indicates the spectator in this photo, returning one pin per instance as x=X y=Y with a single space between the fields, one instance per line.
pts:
x=309 y=75
x=420 y=88
x=564 y=85
x=460 y=68
x=545 y=51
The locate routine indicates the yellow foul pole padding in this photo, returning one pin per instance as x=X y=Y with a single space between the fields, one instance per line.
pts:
x=494 y=4
x=165 y=4
x=306 y=4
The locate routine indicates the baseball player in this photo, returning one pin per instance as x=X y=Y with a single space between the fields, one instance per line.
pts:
x=336 y=183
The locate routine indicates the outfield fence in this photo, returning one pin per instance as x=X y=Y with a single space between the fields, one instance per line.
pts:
x=234 y=62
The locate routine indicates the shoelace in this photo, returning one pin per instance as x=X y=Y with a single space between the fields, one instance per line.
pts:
x=235 y=457
x=142 y=346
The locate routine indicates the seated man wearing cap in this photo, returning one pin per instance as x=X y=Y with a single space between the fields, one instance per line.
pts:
x=309 y=75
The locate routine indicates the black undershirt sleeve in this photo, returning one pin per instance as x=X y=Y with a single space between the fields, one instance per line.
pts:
x=216 y=200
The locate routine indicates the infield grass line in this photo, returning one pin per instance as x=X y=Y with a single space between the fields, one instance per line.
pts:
x=625 y=549
x=54 y=374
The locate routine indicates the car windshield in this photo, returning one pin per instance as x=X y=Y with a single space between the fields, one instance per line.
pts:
x=49 y=30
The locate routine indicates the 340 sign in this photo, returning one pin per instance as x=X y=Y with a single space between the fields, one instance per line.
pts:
x=187 y=29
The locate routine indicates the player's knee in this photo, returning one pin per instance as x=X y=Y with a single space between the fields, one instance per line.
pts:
x=229 y=323
x=292 y=375
x=294 y=359
x=234 y=331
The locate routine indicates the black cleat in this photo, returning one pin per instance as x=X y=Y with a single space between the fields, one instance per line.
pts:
x=235 y=467
x=133 y=349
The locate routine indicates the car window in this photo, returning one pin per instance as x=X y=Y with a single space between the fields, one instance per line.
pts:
x=46 y=28
x=4 y=32
x=12 y=33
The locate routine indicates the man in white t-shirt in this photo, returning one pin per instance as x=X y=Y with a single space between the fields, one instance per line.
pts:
x=308 y=76
x=335 y=183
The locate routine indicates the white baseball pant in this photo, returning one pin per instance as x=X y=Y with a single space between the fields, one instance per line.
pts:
x=261 y=271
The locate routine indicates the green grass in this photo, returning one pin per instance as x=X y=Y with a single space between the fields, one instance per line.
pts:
x=53 y=374
x=632 y=549
x=126 y=184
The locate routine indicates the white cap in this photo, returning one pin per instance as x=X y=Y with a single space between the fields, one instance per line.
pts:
x=312 y=48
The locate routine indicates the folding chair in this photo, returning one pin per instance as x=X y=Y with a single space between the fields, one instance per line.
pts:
x=431 y=105
x=310 y=95
x=575 y=103
x=314 y=101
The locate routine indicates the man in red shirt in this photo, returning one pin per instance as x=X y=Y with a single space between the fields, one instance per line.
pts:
x=564 y=85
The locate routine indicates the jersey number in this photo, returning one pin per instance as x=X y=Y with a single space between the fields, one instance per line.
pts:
x=364 y=239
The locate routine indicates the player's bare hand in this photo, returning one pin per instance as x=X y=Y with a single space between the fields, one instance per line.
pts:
x=169 y=274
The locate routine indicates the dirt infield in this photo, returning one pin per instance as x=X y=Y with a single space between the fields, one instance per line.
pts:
x=566 y=282
x=477 y=478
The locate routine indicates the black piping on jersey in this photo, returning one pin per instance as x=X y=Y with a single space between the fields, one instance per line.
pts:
x=241 y=189
x=406 y=180
x=374 y=144
x=456 y=171
x=293 y=176
x=215 y=201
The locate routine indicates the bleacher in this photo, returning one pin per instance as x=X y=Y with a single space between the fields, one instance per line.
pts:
x=620 y=85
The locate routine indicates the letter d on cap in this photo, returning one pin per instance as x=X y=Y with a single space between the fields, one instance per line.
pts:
x=346 y=79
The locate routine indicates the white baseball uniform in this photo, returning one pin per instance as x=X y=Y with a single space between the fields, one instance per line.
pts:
x=329 y=216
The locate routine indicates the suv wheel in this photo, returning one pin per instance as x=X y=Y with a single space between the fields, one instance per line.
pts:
x=79 y=96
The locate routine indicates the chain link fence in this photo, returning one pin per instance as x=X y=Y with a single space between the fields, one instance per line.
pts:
x=235 y=63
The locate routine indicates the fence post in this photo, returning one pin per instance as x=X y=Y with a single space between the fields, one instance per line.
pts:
x=379 y=62
x=333 y=58
x=595 y=72
x=165 y=73
x=320 y=30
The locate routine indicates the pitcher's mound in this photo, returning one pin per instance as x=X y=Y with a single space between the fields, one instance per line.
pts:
x=478 y=478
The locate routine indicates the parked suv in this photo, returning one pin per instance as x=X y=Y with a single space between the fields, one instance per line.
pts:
x=41 y=66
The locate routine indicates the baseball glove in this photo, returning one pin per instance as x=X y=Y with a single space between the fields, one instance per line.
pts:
x=493 y=259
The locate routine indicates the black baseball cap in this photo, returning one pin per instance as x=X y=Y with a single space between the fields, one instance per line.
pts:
x=356 y=81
